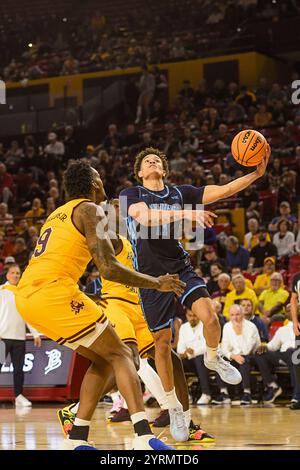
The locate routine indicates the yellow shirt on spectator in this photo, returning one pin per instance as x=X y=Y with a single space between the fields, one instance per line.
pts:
x=270 y=298
x=233 y=296
x=250 y=241
x=35 y=217
x=262 y=281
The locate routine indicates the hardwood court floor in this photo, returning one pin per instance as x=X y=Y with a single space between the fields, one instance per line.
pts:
x=235 y=428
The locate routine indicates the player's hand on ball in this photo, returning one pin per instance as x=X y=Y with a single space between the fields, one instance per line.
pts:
x=171 y=283
x=261 y=168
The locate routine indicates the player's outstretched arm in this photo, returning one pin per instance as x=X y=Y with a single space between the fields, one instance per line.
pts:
x=155 y=217
x=213 y=193
x=91 y=221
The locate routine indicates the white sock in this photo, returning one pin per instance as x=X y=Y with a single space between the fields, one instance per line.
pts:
x=153 y=383
x=140 y=416
x=224 y=390
x=211 y=353
x=173 y=401
x=247 y=390
x=81 y=422
x=74 y=408
x=187 y=417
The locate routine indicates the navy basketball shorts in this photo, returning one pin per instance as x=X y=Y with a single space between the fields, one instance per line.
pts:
x=159 y=308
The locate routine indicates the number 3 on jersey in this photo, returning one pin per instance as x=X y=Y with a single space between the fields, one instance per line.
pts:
x=42 y=242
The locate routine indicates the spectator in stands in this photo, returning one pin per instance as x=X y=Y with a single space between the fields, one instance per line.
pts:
x=10 y=234
x=281 y=348
x=147 y=90
x=6 y=184
x=9 y=261
x=262 y=281
x=273 y=300
x=284 y=239
x=22 y=229
x=220 y=294
x=5 y=217
x=246 y=98
x=212 y=284
x=240 y=292
x=285 y=214
x=250 y=200
x=262 y=118
x=236 y=270
x=236 y=255
x=35 y=213
x=50 y=206
x=209 y=257
x=188 y=141
x=191 y=348
x=239 y=343
x=260 y=252
x=71 y=65
x=13 y=333
x=249 y=314
x=177 y=163
x=276 y=94
x=158 y=114
x=33 y=236
x=112 y=138
x=234 y=113
x=54 y=152
x=21 y=253
x=187 y=93
x=71 y=145
x=130 y=138
x=251 y=237
x=54 y=194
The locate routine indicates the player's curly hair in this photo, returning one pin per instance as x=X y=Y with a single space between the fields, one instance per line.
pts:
x=149 y=151
x=78 y=179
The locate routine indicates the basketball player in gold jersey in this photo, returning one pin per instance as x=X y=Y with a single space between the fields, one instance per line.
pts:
x=49 y=298
x=123 y=310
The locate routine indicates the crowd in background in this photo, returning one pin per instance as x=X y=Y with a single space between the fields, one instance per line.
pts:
x=195 y=133
x=39 y=43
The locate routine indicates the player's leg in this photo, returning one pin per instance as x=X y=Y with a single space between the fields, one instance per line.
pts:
x=204 y=308
x=119 y=356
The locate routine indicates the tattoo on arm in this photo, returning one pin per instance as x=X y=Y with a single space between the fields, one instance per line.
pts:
x=95 y=228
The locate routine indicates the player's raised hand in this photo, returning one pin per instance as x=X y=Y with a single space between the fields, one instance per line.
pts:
x=261 y=168
x=171 y=283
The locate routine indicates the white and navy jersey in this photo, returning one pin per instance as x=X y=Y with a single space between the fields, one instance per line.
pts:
x=160 y=252
x=296 y=286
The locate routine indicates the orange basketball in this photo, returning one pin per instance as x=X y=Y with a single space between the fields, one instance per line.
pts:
x=248 y=147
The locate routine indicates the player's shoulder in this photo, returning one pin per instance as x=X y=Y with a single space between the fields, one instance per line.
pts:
x=133 y=191
x=89 y=208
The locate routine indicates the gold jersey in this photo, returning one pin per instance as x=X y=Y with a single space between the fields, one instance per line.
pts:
x=120 y=291
x=61 y=251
